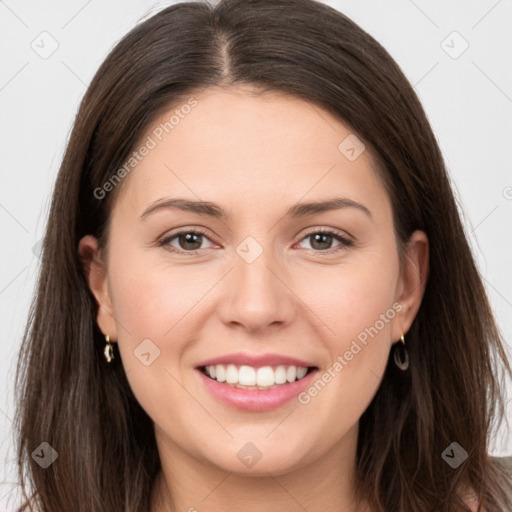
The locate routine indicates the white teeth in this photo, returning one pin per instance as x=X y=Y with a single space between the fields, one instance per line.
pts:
x=247 y=376
x=301 y=371
x=231 y=374
x=263 y=377
x=291 y=373
x=220 y=373
x=280 y=375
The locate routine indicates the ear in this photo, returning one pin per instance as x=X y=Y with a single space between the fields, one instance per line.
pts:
x=97 y=278
x=412 y=283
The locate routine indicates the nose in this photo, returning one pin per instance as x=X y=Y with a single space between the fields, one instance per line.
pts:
x=258 y=295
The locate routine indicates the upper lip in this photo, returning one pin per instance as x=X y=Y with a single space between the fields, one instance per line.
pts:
x=255 y=360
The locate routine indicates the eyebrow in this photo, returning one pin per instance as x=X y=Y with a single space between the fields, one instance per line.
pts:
x=214 y=210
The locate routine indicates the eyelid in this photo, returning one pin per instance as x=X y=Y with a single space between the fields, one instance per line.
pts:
x=327 y=230
x=165 y=239
x=343 y=238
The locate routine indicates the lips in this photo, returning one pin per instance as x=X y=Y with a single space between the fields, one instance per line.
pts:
x=256 y=360
x=255 y=382
x=255 y=400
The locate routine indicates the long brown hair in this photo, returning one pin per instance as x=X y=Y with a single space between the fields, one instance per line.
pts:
x=68 y=397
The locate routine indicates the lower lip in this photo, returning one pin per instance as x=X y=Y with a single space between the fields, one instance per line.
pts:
x=256 y=400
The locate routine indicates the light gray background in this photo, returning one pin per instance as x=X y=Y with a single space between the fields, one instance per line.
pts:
x=468 y=100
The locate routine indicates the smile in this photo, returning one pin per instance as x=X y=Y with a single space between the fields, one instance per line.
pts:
x=253 y=378
x=254 y=398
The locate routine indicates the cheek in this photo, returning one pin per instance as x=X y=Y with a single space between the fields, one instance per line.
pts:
x=352 y=296
x=151 y=297
x=153 y=307
x=359 y=309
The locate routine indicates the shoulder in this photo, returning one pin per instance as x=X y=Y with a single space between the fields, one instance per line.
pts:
x=471 y=501
x=504 y=464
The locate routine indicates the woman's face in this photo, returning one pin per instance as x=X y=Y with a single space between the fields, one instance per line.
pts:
x=262 y=280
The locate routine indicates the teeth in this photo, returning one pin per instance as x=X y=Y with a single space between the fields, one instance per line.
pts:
x=231 y=374
x=301 y=372
x=247 y=376
x=255 y=378
x=219 y=373
x=264 y=377
x=280 y=375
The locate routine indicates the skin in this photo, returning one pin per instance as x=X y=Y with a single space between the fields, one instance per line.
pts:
x=255 y=156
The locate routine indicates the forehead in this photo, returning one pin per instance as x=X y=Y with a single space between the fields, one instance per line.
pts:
x=255 y=150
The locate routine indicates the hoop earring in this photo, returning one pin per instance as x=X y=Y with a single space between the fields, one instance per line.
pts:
x=401 y=355
x=109 y=350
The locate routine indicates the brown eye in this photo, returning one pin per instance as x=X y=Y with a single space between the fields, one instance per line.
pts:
x=190 y=241
x=184 y=242
x=322 y=241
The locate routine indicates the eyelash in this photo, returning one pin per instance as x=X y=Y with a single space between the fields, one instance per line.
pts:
x=345 y=241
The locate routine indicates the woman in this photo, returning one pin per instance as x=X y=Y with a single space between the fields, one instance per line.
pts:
x=256 y=292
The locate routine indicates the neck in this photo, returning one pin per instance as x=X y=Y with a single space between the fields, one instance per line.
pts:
x=188 y=484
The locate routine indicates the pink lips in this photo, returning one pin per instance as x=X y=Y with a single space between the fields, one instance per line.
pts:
x=255 y=360
x=256 y=400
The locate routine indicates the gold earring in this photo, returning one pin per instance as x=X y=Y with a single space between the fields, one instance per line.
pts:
x=109 y=350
